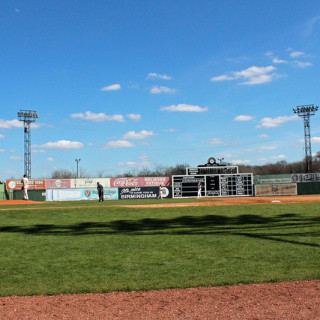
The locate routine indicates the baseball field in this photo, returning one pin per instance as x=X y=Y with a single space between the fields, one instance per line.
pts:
x=125 y=247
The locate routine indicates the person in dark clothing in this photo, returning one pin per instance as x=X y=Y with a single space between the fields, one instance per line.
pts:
x=100 y=191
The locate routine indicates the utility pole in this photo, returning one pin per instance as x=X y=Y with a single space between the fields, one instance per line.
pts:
x=305 y=111
x=78 y=160
x=27 y=116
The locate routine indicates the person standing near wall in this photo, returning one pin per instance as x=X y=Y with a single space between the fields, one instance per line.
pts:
x=25 y=186
x=160 y=192
x=199 y=189
x=100 y=191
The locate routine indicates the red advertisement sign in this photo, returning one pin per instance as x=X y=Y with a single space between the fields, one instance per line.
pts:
x=58 y=184
x=139 y=182
x=33 y=184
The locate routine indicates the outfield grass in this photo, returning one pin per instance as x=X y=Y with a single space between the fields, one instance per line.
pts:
x=106 y=248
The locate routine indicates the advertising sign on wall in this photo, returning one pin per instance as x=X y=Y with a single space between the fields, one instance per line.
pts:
x=76 y=194
x=286 y=178
x=144 y=193
x=90 y=182
x=276 y=190
x=58 y=184
x=139 y=182
x=33 y=184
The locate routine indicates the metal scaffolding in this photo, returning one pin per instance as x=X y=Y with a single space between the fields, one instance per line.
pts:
x=305 y=111
x=27 y=116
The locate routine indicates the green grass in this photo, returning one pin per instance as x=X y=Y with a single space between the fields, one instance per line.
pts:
x=103 y=248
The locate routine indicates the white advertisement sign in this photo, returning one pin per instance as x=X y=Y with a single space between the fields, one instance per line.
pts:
x=90 y=182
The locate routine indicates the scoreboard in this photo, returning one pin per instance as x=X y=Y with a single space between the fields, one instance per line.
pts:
x=193 y=171
x=219 y=185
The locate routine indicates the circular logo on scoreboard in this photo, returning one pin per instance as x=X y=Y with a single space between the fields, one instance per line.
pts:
x=211 y=160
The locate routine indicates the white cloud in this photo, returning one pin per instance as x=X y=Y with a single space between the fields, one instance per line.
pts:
x=98 y=117
x=16 y=158
x=170 y=130
x=223 y=78
x=138 y=135
x=118 y=144
x=269 y=53
x=143 y=162
x=38 y=151
x=128 y=164
x=243 y=118
x=238 y=162
x=2 y=150
x=315 y=140
x=310 y=25
x=263 y=136
x=50 y=159
x=295 y=54
x=302 y=64
x=278 y=61
x=262 y=78
x=252 y=75
x=279 y=157
x=262 y=148
x=161 y=89
x=134 y=117
x=7 y=124
x=275 y=122
x=61 y=144
x=183 y=108
x=153 y=75
x=2 y=136
x=113 y=87
x=216 y=141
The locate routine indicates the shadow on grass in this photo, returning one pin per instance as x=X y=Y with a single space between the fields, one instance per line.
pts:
x=252 y=226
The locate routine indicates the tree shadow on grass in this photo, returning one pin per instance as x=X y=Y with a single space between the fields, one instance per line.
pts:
x=251 y=226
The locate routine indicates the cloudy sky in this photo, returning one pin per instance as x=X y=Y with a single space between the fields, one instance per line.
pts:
x=124 y=85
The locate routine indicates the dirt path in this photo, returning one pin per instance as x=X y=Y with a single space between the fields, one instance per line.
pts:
x=289 y=301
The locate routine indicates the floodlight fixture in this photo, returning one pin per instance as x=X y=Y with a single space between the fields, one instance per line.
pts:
x=305 y=111
x=27 y=116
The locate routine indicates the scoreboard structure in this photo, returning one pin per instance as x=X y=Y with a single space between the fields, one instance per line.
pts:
x=192 y=171
x=218 y=185
x=217 y=180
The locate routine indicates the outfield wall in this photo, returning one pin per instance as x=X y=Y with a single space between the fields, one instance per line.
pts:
x=309 y=188
x=286 y=178
x=263 y=190
x=76 y=194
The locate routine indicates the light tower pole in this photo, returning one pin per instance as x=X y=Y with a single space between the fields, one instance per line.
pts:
x=305 y=111
x=78 y=160
x=27 y=116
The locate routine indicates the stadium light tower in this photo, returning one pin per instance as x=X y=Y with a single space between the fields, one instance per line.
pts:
x=305 y=111
x=27 y=116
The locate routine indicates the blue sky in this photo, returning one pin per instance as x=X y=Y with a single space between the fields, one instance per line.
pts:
x=125 y=85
